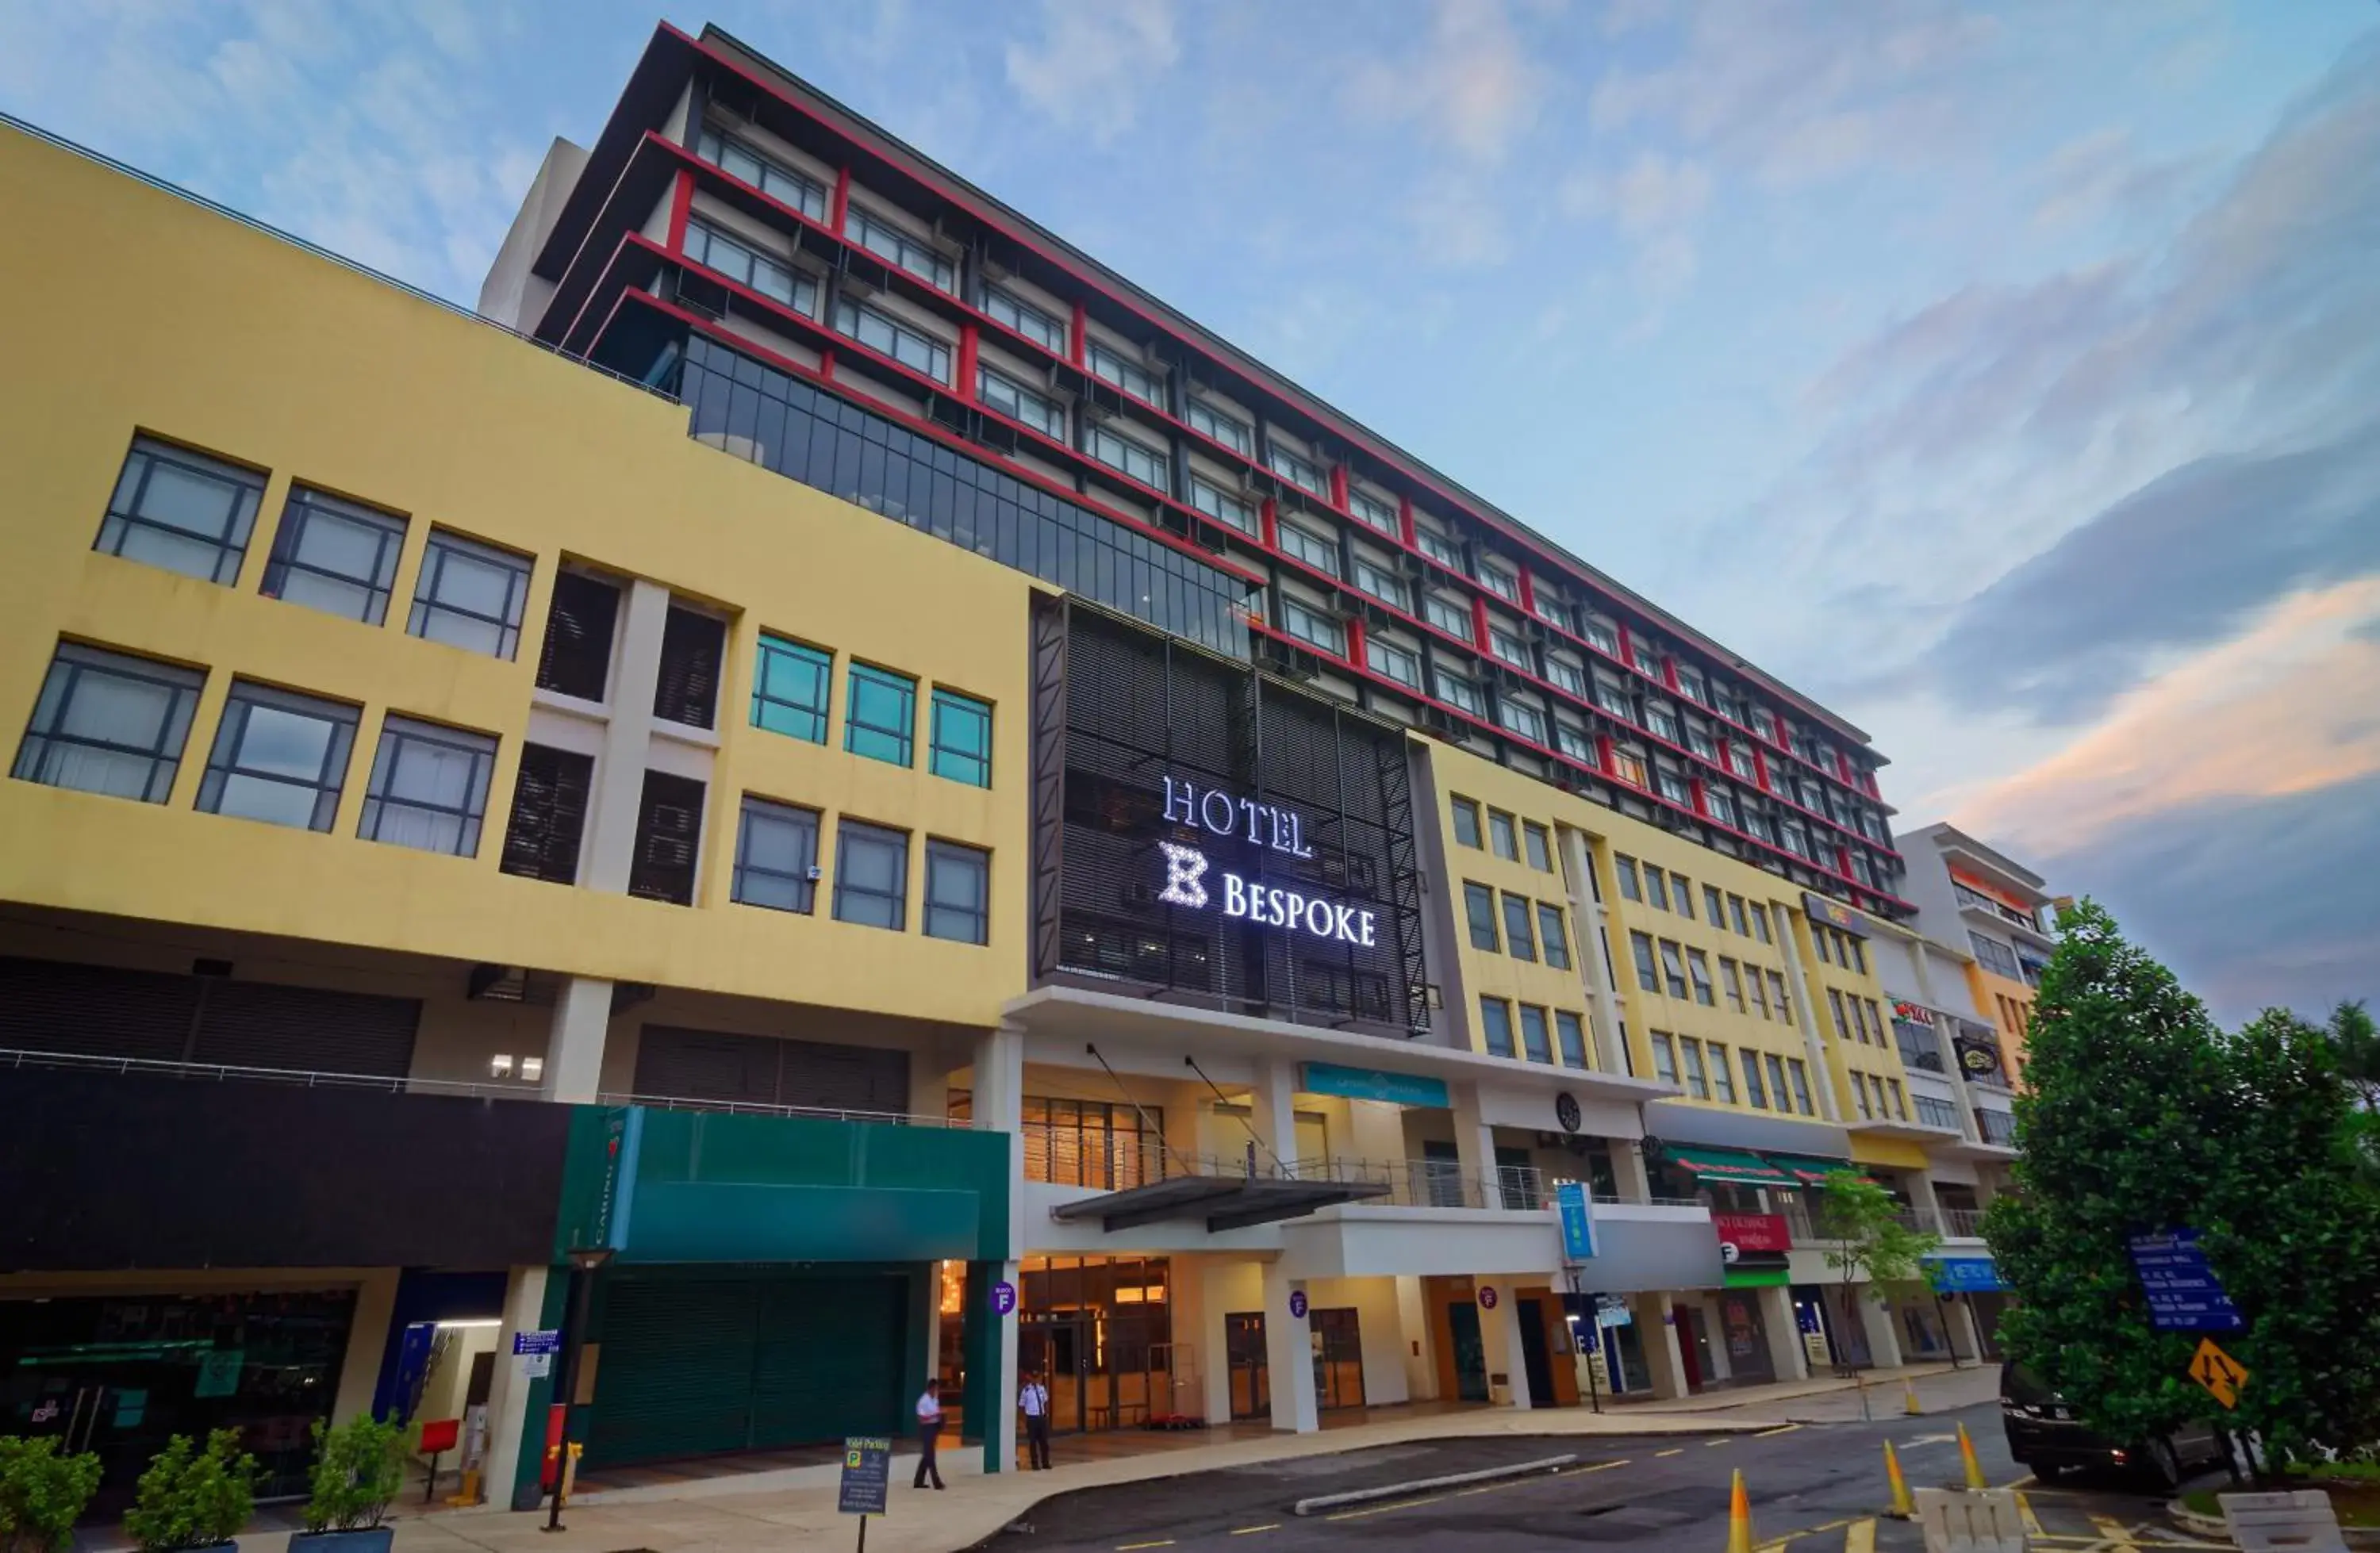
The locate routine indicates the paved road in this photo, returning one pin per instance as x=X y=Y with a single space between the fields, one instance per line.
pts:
x=1816 y=1486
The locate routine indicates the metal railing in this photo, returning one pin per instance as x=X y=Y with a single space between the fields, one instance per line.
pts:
x=1949 y=1223
x=759 y=1108
x=233 y=1072
x=1433 y=1182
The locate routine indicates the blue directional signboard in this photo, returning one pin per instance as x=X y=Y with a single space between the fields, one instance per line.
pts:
x=1577 y=1222
x=2182 y=1292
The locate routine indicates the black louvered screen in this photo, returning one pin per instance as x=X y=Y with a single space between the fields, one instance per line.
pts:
x=265 y=1025
x=549 y=814
x=688 y=690
x=677 y=1063
x=1140 y=708
x=99 y=1010
x=49 y=1005
x=576 y=658
x=669 y=828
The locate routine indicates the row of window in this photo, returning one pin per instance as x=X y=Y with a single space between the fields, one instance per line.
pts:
x=1549 y=936
x=190 y=513
x=1703 y=1070
x=1541 y=1031
x=1667 y=967
x=1857 y=1018
x=777 y=866
x=1879 y=1099
x=793 y=695
x=1505 y=835
x=1650 y=885
x=1839 y=947
x=1995 y=956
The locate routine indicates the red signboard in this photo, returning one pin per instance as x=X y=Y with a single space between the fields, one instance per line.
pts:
x=1752 y=1232
x=440 y=1434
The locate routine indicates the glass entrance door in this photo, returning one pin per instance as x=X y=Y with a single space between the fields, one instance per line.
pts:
x=1337 y=1358
x=1469 y=1350
x=1102 y=1329
x=1243 y=1350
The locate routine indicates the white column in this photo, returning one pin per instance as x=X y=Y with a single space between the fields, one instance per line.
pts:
x=1786 y=1354
x=611 y=844
x=998 y=1107
x=1659 y=1340
x=1594 y=934
x=1272 y=1116
x=1000 y=1430
x=1289 y=1354
x=573 y=1051
x=509 y=1423
x=1474 y=1146
x=1500 y=1331
x=1964 y=1325
x=1716 y=1363
x=1629 y=1172
x=1420 y=1343
x=1214 y=1351
x=1883 y=1336
x=1822 y=1072
x=367 y=1343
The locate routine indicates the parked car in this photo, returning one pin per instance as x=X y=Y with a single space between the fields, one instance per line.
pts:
x=2047 y=1436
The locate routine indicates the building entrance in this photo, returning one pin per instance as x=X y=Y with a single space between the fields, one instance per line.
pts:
x=1337 y=1358
x=1243 y=1350
x=1101 y=1329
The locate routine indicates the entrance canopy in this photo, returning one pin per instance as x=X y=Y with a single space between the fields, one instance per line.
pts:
x=1806 y=1171
x=1726 y=1164
x=1225 y=1202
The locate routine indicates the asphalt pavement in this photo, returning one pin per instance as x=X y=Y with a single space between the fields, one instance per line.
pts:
x=1811 y=1487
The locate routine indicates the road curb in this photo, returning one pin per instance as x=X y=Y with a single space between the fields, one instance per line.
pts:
x=1424 y=1484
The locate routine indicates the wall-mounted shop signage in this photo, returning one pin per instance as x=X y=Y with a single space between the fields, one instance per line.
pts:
x=1267 y=906
x=1577 y=1222
x=1979 y=1056
x=1915 y=1013
x=1003 y=1298
x=1963 y=1275
x=1835 y=912
x=1297 y=1304
x=1368 y=1084
x=1753 y=1232
x=1212 y=810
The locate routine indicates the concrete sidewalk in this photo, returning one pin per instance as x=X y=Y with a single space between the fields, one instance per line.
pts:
x=749 y=1514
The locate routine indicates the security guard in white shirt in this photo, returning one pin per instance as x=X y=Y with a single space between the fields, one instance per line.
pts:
x=1034 y=1398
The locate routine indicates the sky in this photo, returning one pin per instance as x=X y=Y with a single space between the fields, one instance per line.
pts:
x=2005 y=377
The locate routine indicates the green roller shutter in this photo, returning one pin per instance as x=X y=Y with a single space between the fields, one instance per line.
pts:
x=696 y=1365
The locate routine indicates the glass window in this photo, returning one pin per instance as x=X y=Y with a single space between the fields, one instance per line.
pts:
x=182 y=511
x=1223 y=427
x=1573 y=741
x=1689 y=684
x=1735 y=915
x=429 y=787
x=1721 y=806
x=1625 y=868
x=1567 y=674
x=1549 y=607
x=1739 y=761
x=1312 y=626
x=881 y=714
x=1842 y=1025
x=469 y=595
x=1673 y=968
x=1221 y=507
x=961 y=747
x=109 y=722
x=1447 y=616
x=1899 y=1101
x=1776 y=996
x=1777 y=1083
x=1713 y=912
x=1501 y=837
x=1373 y=512
x=279 y=757
x=667 y=838
x=1818 y=942
x=1393 y=662
x=771 y=178
x=1501 y=583
x=1697 y=1076
x=871 y=876
x=1317 y=551
x=1698 y=965
x=1121 y=453
x=1496 y=1023
x=1535 y=1041
x=1754 y=1092
x=1698 y=739
x=1511 y=649
x=1628 y=767
x=1521 y=718
x=913 y=254
x=1300 y=472
x=1456 y=691
x=1657 y=887
x=958 y=892
x=1006 y=397
x=1381 y=583
x=1722 y=1076
x=1731 y=981
x=1520 y=942
x=1553 y=935
x=880 y=334
x=1661 y=719
x=1438 y=548
x=1673 y=787
x=1681 y=892
x=1466 y=821
x=772 y=277
x=1479 y=906
x=1043 y=329
x=1760 y=923
x=1539 y=845
x=1126 y=374
x=336 y=556
x=1759 y=990
x=790 y=688
x=1665 y=1058
x=1570 y=1035
x=1601 y=637
x=1613 y=699
x=776 y=856
x=1648 y=975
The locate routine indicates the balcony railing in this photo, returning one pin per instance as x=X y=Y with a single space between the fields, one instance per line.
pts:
x=1949 y=1223
x=231 y=1073
x=1984 y=903
x=1434 y=1183
x=758 y=1108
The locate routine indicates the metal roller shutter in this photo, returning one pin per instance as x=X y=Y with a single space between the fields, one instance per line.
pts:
x=49 y=1005
x=844 y=1078
x=674 y=1378
x=265 y=1025
x=677 y=1063
x=829 y=1360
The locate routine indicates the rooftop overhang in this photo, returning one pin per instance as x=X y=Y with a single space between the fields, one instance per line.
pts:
x=1157 y=1035
x=1225 y=1202
x=2000 y=868
x=1915 y=1132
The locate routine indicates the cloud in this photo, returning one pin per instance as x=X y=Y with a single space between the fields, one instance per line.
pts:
x=1471 y=85
x=1654 y=202
x=1095 y=61
x=2101 y=176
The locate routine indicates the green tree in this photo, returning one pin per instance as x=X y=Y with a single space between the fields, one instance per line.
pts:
x=41 y=1493
x=2141 y=1116
x=1868 y=1238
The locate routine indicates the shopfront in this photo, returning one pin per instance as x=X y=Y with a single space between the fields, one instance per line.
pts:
x=1099 y=1329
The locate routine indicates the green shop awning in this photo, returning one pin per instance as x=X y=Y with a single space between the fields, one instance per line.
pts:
x=1801 y=1170
x=1726 y=1164
x=1758 y=1278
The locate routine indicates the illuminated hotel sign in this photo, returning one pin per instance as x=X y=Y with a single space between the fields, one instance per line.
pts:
x=1191 y=879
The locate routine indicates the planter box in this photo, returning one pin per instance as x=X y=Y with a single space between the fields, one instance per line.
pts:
x=375 y=1540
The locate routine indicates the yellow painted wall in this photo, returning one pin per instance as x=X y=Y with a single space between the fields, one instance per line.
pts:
x=130 y=310
x=1851 y=1058
x=2009 y=1004
x=1498 y=974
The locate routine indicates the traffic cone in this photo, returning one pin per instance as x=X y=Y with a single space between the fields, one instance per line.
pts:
x=1908 y=1397
x=1738 y=1517
x=1975 y=1482
x=1903 y=1508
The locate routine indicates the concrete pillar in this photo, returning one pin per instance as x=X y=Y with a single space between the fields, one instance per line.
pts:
x=627 y=739
x=1628 y=1170
x=930 y=1084
x=1786 y=1354
x=1377 y=1132
x=1929 y=1206
x=1883 y=1336
x=1659 y=1340
x=509 y=1428
x=1273 y=1117
x=1966 y=1333
x=1594 y=927
x=1474 y=1146
x=1718 y=1364
x=1822 y=1072
x=1500 y=1329
x=573 y=1051
x=1289 y=1354
x=1420 y=1342
x=366 y=1342
x=1214 y=1353
x=998 y=1107
x=1000 y=1429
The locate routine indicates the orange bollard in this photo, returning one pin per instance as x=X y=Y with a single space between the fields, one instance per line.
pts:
x=1738 y=1517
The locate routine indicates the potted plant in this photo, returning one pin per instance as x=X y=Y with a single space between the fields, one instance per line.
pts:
x=358 y=1468
x=42 y=1494
x=193 y=1497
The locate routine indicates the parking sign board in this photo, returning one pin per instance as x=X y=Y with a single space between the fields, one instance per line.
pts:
x=867 y=1472
x=2183 y=1295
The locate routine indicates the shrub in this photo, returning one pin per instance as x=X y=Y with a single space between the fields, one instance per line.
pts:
x=358 y=1468
x=41 y=1493
x=190 y=1498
